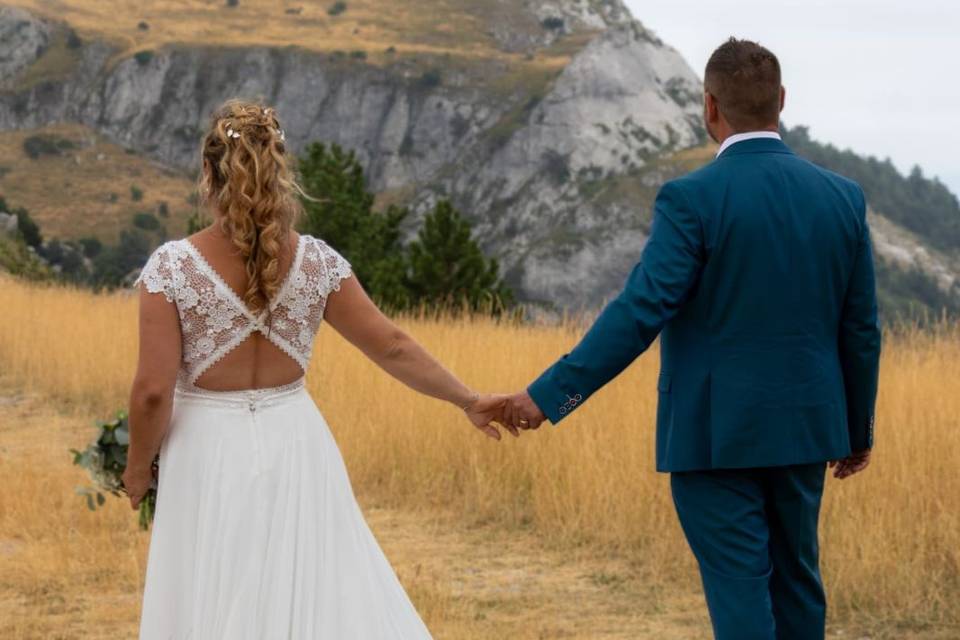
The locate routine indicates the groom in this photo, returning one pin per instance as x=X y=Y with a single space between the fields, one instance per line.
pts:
x=758 y=276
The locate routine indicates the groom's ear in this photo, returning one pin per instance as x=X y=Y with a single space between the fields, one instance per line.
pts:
x=783 y=96
x=711 y=110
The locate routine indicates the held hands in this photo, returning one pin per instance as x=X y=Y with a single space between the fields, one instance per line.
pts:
x=513 y=412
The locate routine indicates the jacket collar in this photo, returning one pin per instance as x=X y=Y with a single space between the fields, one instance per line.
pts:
x=756 y=145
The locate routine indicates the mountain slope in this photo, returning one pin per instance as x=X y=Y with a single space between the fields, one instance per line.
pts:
x=511 y=138
x=550 y=123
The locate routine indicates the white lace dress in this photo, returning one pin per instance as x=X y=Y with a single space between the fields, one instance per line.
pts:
x=257 y=533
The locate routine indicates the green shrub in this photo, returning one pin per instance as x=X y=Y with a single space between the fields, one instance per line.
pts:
x=553 y=23
x=143 y=57
x=73 y=40
x=431 y=78
x=46 y=145
x=146 y=221
x=337 y=8
x=136 y=193
x=447 y=269
x=91 y=246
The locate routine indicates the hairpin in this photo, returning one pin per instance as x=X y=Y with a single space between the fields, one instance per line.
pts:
x=233 y=134
x=280 y=133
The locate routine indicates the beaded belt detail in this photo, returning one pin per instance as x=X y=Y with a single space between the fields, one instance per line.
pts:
x=251 y=398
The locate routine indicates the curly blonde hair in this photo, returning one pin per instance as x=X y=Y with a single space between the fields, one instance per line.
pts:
x=247 y=178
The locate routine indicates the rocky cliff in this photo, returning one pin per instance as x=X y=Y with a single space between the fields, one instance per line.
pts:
x=556 y=164
x=517 y=157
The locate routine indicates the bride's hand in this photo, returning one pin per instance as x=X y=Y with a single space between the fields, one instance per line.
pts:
x=486 y=410
x=136 y=483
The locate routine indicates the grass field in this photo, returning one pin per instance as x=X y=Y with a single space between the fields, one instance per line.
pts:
x=434 y=27
x=86 y=188
x=567 y=532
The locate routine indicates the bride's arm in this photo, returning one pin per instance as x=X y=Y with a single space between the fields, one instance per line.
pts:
x=151 y=394
x=351 y=312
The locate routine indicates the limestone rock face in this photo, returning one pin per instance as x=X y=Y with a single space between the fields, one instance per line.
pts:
x=557 y=176
x=544 y=173
x=23 y=39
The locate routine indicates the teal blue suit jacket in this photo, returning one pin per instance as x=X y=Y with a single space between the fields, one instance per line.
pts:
x=758 y=276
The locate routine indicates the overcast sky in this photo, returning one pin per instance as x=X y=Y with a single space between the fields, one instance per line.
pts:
x=881 y=77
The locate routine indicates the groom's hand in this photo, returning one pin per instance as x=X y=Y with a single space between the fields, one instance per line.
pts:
x=854 y=463
x=521 y=412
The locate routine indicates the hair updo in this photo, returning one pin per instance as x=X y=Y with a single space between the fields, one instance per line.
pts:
x=246 y=177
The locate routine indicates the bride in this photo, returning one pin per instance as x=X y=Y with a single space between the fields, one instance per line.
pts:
x=257 y=533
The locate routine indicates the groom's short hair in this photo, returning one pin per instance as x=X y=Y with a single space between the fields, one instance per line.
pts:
x=745 y=80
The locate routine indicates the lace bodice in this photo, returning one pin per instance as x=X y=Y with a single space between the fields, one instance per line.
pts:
x=214 y=319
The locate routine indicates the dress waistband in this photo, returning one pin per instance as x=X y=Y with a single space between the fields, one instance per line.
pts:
x=250 y=398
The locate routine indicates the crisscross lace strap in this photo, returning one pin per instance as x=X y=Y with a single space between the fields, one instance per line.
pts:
x=299 y=311
x=213 y=318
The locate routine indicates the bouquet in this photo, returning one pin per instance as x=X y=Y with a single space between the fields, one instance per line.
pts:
x=105 y=460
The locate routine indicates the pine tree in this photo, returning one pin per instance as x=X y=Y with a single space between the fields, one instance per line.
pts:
x=447 y=267
x=343 y=216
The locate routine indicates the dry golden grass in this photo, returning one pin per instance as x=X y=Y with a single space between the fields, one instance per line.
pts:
x=891 y=537
x=69 y=573
x=70 y=195
x=434 y=27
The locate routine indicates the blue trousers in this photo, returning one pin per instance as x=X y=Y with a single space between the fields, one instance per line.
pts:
x=754 y=535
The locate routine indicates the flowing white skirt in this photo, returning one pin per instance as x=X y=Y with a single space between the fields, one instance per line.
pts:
x=257 y=533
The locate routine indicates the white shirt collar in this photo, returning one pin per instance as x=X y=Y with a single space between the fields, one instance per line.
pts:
x=746 y=135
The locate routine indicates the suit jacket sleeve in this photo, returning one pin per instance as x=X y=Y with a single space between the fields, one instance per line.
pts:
x=656 y=288
x=859 y=343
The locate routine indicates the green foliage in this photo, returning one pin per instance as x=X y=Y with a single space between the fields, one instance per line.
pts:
x=196 y=222
x=358 y=55
x=557 y=166
x=343 y=216
x=73 y=40
x=448 y=269
x=146 y=221
x=136 y=193
x=431 y=78
x=115 y=261
x=553 y=23
x=912 y=295
x=337 y=8
x=91 y=246
x=28 y=229
x=105 y=459
x=143 y=57
x=17 y=258
x=46 y=145
x=919 y=204
x=442 y=267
